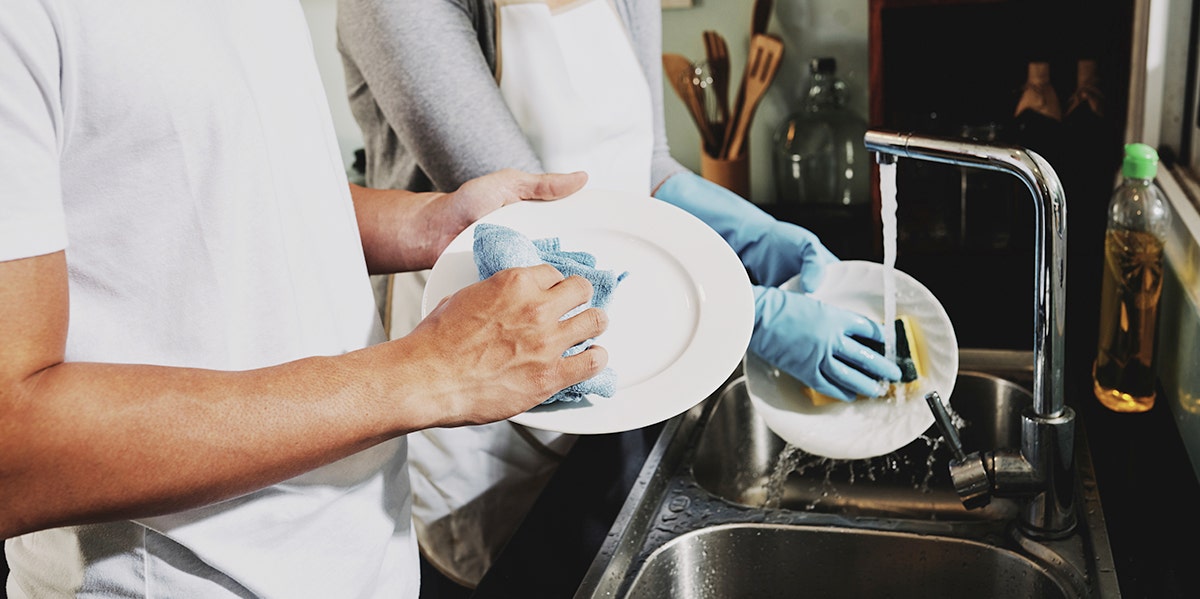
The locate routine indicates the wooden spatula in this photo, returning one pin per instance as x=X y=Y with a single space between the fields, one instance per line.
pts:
x=761 y=66
x=760 y=16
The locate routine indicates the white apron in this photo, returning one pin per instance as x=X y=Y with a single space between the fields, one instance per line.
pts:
x=572 y=81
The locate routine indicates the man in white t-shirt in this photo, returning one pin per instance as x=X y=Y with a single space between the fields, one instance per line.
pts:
x=195 y=395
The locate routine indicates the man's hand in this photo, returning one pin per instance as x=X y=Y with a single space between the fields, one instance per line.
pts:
x=495 y=348
x=490 y=351
x=482 y=195
x=404 y=231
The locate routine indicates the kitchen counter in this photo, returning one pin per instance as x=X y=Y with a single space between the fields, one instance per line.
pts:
x=1150 y=499
x=1148 y=495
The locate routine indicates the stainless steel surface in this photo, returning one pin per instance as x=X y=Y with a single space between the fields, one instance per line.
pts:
x=941 y=417
x=1050 y=239
x=702 y=520
x=1041 y=473
x=736 y=455
x=742 y=560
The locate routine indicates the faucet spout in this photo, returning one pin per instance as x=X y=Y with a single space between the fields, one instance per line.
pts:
x=1043 y=473
x=1050 y=240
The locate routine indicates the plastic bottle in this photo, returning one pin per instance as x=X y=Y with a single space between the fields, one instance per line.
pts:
x=820 y=156
x=1124 y=374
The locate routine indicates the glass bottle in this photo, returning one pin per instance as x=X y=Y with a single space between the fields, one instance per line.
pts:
x=820 y=156
x=1037 y=120
x=1085 y=107
x=1125 y=371
x=1091 y=136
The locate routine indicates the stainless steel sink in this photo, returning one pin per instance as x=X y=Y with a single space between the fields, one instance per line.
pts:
x=706 y=520
x=763 y=560
x=737 y=454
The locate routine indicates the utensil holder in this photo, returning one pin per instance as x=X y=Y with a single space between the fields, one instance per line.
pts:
x=733 y=175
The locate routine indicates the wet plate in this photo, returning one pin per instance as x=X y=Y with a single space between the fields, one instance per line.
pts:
x=679 y=323
x=867 y=427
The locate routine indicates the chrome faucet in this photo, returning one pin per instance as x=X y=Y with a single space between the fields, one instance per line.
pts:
x=1042 y=473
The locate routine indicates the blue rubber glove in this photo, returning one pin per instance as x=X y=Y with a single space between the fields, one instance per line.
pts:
x=774 y=251
x=814 y=342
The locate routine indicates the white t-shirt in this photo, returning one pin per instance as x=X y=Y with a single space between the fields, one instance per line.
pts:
x=183 y=154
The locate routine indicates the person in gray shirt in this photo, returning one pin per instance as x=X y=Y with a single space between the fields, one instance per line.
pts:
x=447 y=89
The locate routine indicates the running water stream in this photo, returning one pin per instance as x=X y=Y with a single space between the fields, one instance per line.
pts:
x=793 y=459
x=887 y=193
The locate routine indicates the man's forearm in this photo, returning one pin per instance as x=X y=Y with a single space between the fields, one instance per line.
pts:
x=85 y=442
x=396 y=229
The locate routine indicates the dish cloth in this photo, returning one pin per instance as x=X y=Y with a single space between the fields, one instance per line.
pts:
x=497 y=247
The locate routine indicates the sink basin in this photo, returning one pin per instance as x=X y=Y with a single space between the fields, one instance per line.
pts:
x=710 y=516
x=737 y=455
x=744 y=560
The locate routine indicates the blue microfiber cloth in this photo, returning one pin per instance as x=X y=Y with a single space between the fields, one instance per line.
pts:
x=497 y=248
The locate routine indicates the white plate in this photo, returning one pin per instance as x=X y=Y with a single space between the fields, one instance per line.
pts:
x=867 y=427
x=679 y=323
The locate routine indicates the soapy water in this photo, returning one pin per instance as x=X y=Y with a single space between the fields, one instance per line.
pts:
x=795 y=462
x=915 y=465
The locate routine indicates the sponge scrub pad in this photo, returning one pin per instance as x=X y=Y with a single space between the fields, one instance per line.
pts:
x=907 y=358
x=906 y=354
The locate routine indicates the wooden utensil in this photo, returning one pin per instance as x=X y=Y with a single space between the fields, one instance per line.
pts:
x=679 y=71
x=765 y=53
x=761 y=16
x=716 y=51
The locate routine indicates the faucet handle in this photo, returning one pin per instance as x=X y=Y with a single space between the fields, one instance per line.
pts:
x=968 y=472
x=942 y=418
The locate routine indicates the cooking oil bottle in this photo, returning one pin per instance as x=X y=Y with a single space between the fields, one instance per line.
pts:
x=1125 y=371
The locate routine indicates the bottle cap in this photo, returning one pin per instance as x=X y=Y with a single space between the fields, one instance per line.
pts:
x=1141 y=161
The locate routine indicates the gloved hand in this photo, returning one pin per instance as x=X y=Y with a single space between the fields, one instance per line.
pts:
x=773 y=250
x=814 y=342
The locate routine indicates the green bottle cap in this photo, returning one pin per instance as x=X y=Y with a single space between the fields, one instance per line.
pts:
x=1141 y=162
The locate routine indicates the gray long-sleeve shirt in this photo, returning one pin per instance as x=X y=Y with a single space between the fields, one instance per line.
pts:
x=420 y=75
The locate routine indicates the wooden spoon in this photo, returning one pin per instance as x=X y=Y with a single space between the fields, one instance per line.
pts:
x=765 y=53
